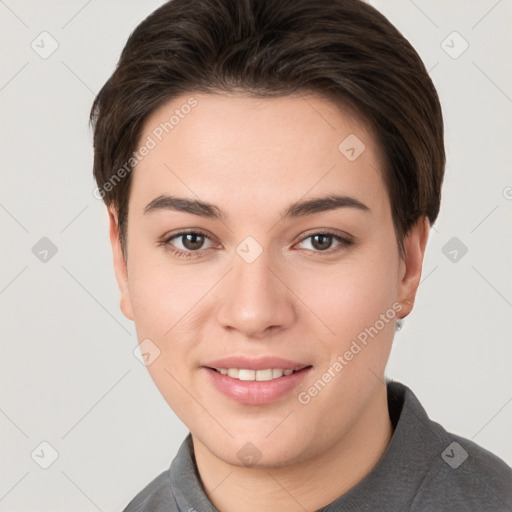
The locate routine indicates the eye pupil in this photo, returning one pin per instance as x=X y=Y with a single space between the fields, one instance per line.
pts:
x=323 y=244
x=190 y=241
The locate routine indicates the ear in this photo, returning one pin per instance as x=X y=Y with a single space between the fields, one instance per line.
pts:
x=120 y=266
x=411 y=264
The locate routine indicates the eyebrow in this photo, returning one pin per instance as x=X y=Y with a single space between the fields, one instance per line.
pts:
x=295 y=210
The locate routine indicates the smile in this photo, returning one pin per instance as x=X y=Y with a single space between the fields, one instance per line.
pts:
x=256 y=386
x=259 y=375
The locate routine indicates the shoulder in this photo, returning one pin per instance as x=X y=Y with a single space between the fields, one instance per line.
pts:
x=155 y=497
x=466 y=477
x=445 y=471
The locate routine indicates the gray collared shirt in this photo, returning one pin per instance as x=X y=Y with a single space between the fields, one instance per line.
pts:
x=424 y=468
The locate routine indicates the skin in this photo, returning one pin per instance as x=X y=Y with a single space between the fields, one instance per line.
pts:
x=253 y=158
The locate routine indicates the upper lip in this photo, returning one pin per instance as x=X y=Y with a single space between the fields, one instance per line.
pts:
x=259 y=363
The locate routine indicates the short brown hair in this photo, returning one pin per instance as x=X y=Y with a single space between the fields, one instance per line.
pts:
x=344 y=50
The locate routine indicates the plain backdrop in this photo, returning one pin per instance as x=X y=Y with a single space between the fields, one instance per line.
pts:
x=68 y=375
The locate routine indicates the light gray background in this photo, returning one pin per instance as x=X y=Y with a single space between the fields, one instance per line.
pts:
x=68 y=374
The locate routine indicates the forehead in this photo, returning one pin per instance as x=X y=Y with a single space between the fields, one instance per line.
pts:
x=233 y=148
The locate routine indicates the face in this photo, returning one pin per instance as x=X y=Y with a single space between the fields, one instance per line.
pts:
x=254 y=281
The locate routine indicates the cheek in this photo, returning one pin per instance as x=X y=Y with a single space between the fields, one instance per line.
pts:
x=159 y=291
x=171 y=304
x=355 y=300
x=162 y=298
x=352 y=295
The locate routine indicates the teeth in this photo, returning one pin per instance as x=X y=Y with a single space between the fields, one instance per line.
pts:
x=259 y=375
x=263 y=375
x=246 y=374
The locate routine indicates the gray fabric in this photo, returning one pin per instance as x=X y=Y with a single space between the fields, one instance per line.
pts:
x=421 y=470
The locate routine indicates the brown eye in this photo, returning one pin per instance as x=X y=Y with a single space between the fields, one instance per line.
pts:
x=192 y=241
x=187 y=244
x=321 y=241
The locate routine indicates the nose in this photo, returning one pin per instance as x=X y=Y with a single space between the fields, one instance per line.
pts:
x=255 y=298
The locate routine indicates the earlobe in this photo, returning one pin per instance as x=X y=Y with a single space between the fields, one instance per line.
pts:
x=414 y=244
x=120 y=265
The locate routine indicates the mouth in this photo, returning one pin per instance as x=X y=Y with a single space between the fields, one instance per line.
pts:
x=246 y=374
x=255 y=381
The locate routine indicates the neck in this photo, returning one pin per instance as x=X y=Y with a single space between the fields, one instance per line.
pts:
x=308 y=485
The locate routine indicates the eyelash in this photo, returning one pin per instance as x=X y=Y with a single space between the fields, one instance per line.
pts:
x=343 y=243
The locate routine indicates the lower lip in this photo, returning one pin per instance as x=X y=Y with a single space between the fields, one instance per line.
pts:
x=254 y=392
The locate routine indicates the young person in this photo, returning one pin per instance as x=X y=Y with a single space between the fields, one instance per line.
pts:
x=271 y=170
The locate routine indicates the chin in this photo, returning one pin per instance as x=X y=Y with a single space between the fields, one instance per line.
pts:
x=258 y=449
